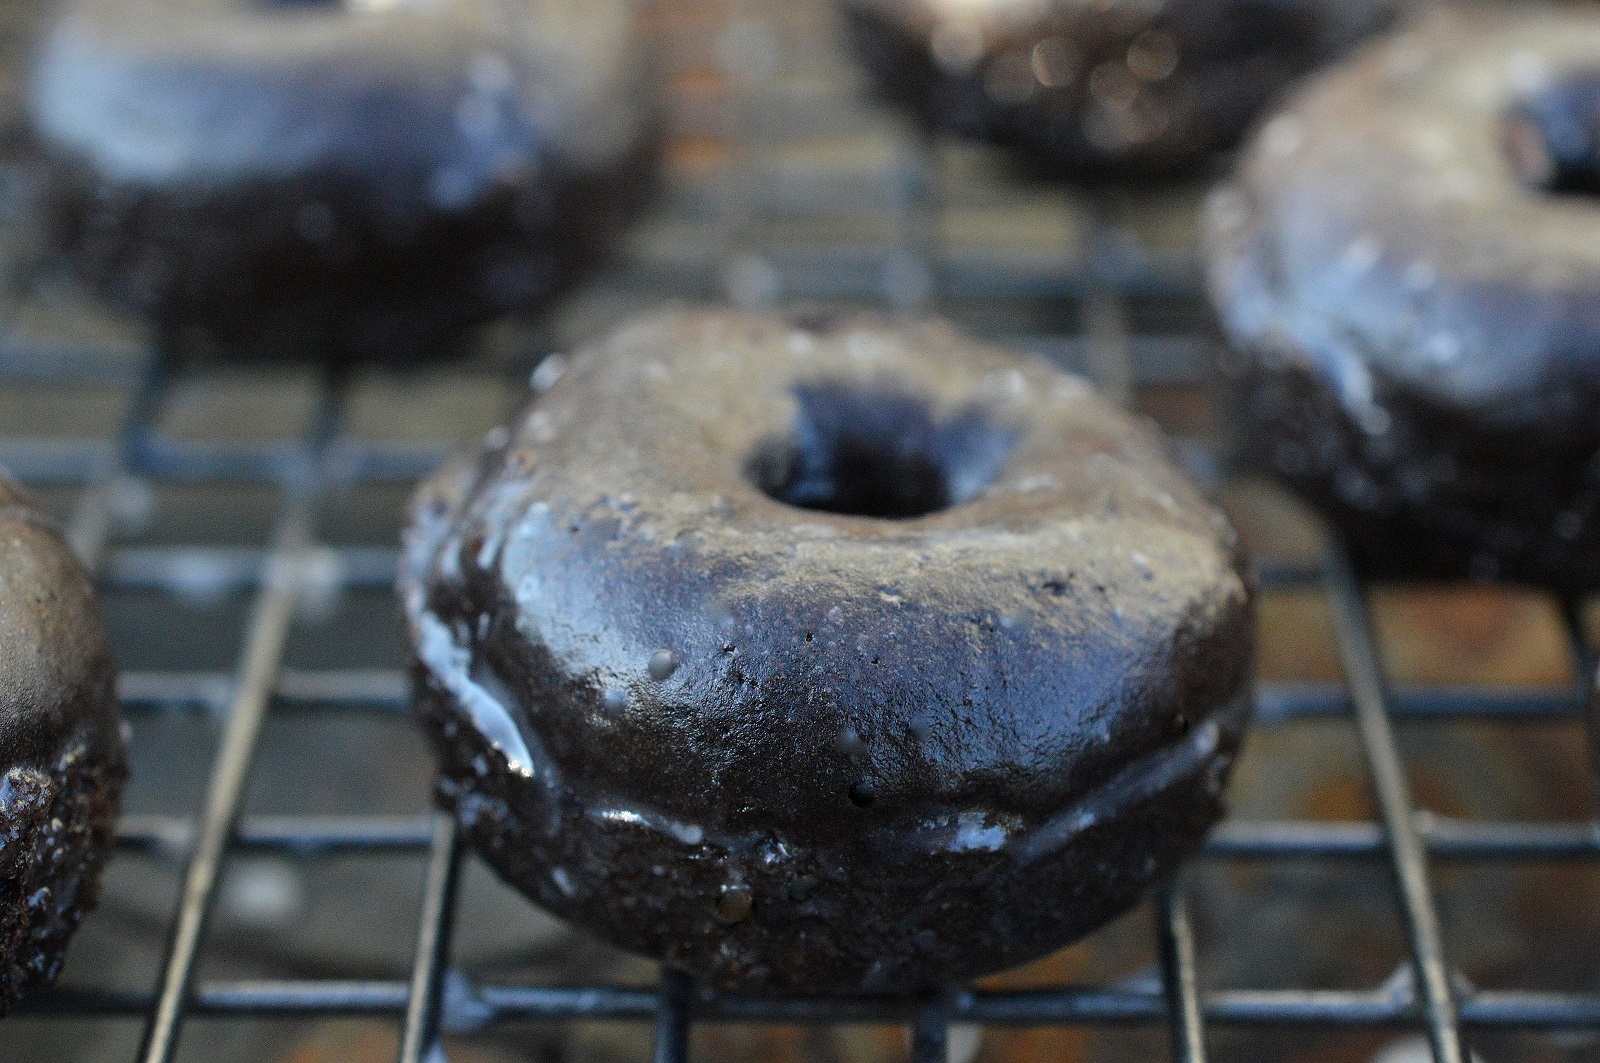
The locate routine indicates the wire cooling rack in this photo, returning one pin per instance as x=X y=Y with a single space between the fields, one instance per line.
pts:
x=786 y=186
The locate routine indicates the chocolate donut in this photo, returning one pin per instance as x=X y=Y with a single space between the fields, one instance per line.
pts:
x=1116 y=89
x=338 y=178
x=826 y=656
x=1405 y=267
x=61 y=747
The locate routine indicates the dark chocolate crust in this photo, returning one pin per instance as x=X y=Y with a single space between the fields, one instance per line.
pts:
x=1415 y=312
x=61 y=747
x=798 y=749
x=1120 y=90
x=319 y=181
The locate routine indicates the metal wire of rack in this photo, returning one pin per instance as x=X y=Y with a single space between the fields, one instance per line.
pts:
x=742 y=244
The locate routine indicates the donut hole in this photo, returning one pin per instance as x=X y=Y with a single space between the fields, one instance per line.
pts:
x=877 y=451
x=1553 y=139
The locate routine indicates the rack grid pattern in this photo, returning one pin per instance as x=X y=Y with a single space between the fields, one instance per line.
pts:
x=739 y=252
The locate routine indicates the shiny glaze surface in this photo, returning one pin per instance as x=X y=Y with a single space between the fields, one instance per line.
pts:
x=1410 y=279
x=785 y=747
x=61 y=747
x=1106 y=90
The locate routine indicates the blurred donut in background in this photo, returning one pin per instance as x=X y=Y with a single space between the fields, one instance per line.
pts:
x=338 y=179
x=1405 y=266
x=1124 y=89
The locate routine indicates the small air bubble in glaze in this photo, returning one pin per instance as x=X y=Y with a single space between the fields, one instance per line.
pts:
x=662 y=664
x=1283 y=137
x=548 y=373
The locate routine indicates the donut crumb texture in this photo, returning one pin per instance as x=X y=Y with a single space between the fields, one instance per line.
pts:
x=56 y=827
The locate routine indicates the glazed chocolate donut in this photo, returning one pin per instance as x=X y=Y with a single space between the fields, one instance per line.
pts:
x=338 y=178
x=826 y=656
x=1405 y=267
x=1116 y=89
x=61 y=747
